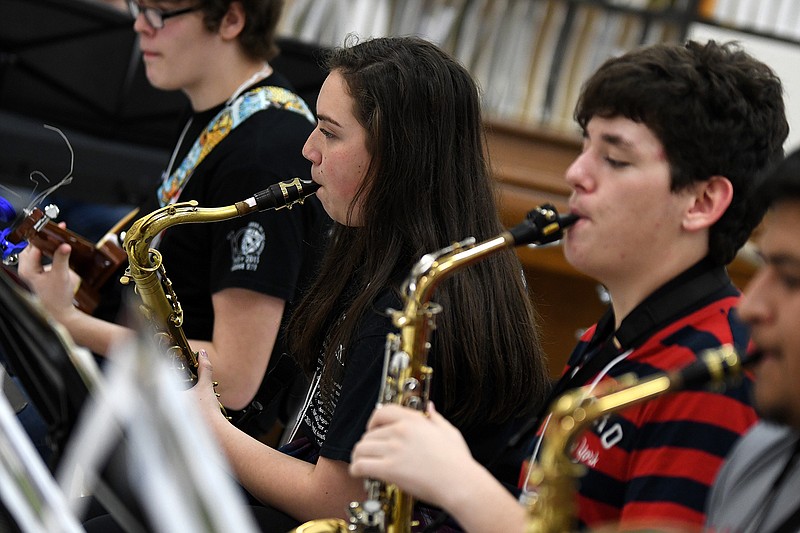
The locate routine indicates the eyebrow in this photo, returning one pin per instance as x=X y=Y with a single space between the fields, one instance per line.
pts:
x=617 y=140
x=326 y=118
x=780 y=259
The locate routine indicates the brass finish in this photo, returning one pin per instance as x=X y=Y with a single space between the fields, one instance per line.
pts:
x=160 y=305
x=556 y=474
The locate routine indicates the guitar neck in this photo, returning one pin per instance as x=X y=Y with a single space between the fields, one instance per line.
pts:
x=93 y=263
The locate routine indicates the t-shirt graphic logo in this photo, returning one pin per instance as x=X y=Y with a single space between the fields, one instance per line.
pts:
x=246 y=247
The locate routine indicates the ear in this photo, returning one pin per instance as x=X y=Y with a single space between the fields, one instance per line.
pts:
x=710 y=200
x=232 y=23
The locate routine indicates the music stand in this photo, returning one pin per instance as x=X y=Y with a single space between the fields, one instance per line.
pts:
x=33 y=350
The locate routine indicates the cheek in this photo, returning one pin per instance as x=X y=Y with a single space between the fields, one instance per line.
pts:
x=358 y=163
x=787 y=311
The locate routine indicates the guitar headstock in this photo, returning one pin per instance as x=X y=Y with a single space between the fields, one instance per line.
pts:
x=26 y=226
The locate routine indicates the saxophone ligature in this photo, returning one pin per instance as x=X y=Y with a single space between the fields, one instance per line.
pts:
x=160 y=306
x=407 y=376
x=555 y=475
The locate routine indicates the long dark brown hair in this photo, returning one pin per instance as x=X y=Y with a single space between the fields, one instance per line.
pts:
x=428 y=185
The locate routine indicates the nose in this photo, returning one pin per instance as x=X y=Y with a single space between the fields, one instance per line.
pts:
x=754 y=306
x=310 y=150
x=577 y=175
x=140 y=24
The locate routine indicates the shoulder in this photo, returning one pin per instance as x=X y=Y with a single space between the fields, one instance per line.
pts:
x=377 y=318
x=754 y=456
x=763 y=439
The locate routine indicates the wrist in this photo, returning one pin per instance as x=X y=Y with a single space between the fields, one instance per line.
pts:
x=465 y=487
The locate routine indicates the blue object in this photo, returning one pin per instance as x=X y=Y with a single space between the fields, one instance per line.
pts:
x=8 y=214
x=8 y=247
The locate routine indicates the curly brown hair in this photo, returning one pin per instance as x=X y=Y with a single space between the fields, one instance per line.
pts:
x=717 y=110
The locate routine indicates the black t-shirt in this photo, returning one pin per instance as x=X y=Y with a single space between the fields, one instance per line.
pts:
x=334 y=432
x=272 y=252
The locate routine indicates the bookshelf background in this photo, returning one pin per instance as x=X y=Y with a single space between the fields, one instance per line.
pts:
x=530 y=58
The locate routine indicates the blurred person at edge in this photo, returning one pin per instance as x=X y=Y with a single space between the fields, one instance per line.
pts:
x=758 y=488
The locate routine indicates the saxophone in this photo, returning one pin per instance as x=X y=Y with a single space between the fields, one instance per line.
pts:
x=160 y=306
x=407 y=377
x=555 y=475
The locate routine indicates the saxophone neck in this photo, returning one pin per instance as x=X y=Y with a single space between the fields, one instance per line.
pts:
x=434 y=267
x=144 y=230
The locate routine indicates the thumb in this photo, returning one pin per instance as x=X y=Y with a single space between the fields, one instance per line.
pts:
x=434 y=415
x=61 y=257
x=205 y=371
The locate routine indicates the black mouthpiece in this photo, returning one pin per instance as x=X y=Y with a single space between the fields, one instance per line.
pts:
x=285 y=194
x=541 y=226
x=713 y=367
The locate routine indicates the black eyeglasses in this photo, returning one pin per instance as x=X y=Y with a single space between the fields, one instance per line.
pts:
x=154 y=16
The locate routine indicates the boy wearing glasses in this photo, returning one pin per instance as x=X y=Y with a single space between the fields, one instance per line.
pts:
x=235 y=279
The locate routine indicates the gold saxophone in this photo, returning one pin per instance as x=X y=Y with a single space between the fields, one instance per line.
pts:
x=160 y=306
x=407 y=377
x=555 y=475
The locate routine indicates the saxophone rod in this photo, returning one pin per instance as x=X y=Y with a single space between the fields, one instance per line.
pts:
x=714 y=367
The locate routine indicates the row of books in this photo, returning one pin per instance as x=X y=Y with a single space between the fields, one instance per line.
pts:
x=779 y=18
x=530 y=57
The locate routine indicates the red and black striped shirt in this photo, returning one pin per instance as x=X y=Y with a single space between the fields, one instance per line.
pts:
x=655 y=462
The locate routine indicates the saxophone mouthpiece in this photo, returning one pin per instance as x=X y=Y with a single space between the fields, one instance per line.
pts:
x=541 y=226
x=284 y=194
x=713 y=367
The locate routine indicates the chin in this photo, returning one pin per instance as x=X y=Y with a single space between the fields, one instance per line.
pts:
x=777 y=414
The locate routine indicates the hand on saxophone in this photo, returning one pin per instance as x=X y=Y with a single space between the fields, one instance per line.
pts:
x=205 y=396
x=427 y=457
x=423 y=455
x=54 y=284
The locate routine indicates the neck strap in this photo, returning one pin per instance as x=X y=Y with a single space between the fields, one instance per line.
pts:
x=231 y=116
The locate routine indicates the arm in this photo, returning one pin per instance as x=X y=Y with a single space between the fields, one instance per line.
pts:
x=427 y=457
x=245 y=324
x=303 y=490
x=246 y=327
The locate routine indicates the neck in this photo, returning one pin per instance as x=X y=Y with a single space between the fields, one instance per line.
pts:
x=227 y=83
x=628 y=291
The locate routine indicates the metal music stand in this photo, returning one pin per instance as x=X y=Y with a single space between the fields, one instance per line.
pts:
x=42 y=357
x=58 y=378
